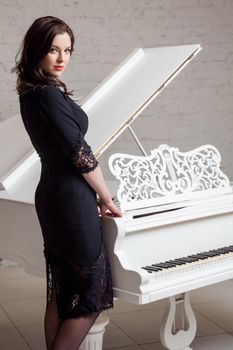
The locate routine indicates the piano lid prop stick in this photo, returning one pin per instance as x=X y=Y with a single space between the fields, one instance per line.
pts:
x=137 y=141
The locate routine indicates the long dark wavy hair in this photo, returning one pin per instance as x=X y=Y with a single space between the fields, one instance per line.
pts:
x=35 y=46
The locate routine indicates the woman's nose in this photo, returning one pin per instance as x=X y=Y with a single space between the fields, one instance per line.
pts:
x=60 y=57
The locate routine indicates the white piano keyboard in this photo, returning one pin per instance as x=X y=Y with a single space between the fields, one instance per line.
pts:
x=191 y=263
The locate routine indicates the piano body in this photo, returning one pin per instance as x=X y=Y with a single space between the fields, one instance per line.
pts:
x=135 y=83
x=175 y=234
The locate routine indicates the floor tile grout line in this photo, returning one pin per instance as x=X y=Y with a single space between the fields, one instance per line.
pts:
x=134 y=343
x=6 y=314
x=212 y=335
x=28 y=276
x=19 y=299
x=209 y=319
x=12 y=279
x=150 y=343
x=230 y=333
x=121 y=347
x=137 y=344
x=22 y=336
x=154 y=342
x=9 y=317
x=212 y=301
x=16 y=328
x=5 y=329
x=133 y=311
x=14 y=325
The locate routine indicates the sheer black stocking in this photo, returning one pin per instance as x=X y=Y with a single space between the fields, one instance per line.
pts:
x=73 y=331
x=51 y=321
x=65 y=334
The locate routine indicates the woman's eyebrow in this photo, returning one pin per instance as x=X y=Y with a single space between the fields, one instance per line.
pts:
x=59 y=47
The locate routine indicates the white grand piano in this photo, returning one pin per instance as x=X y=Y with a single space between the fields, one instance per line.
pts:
x=170 y=239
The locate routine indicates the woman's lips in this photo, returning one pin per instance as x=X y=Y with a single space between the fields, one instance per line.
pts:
x=58 y=67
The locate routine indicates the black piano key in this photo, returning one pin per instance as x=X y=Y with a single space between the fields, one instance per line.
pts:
x=192 y=258
x=222 y=251
x=162 y=265
x=199 y=257
x=147 y=270
x=174 y=262
x=203 y=255
x=230 y=248
x=171 y=263
x=210 y=254
x=186 y=259
x=216 y=253
x=151 y=268
x=181 y=262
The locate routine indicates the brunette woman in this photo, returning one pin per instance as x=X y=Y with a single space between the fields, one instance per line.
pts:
x=79 y=283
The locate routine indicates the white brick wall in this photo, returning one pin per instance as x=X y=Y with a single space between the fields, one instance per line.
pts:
x=195 y=109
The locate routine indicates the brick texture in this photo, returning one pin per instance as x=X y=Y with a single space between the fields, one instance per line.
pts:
x=195 y=109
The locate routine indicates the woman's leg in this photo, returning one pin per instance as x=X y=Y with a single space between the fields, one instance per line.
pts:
x=73 y=331
x=51 y=321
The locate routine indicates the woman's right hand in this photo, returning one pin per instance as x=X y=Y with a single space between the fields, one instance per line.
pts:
x=106 y=205
x=108 y=208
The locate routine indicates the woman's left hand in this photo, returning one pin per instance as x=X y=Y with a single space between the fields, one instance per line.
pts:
x=108 y=209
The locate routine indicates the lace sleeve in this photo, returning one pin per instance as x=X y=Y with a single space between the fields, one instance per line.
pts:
x=84 y=158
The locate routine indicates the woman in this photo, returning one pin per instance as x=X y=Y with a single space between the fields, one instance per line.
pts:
x=79 y=284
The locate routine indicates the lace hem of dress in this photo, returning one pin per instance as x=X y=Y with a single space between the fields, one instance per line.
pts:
x=84 y=158
x=80 y=291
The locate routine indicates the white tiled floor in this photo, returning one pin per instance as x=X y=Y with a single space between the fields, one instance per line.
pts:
x=132 y=327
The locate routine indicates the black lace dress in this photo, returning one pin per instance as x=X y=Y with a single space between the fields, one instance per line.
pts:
x=77 y=263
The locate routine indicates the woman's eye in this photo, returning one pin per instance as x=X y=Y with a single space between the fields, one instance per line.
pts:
x=53 y=50
x=69 y=50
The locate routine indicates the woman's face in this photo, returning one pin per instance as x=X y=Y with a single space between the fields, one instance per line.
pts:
x=55 y=62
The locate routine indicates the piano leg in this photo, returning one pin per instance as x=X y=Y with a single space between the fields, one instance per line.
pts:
x=94 y=338
x=171 y=337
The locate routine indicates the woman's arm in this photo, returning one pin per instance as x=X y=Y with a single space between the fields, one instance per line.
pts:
x=96 y=181
x=64 y=124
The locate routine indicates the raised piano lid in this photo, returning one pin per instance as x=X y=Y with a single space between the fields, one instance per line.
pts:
x=130 y=88
x=111 y=107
